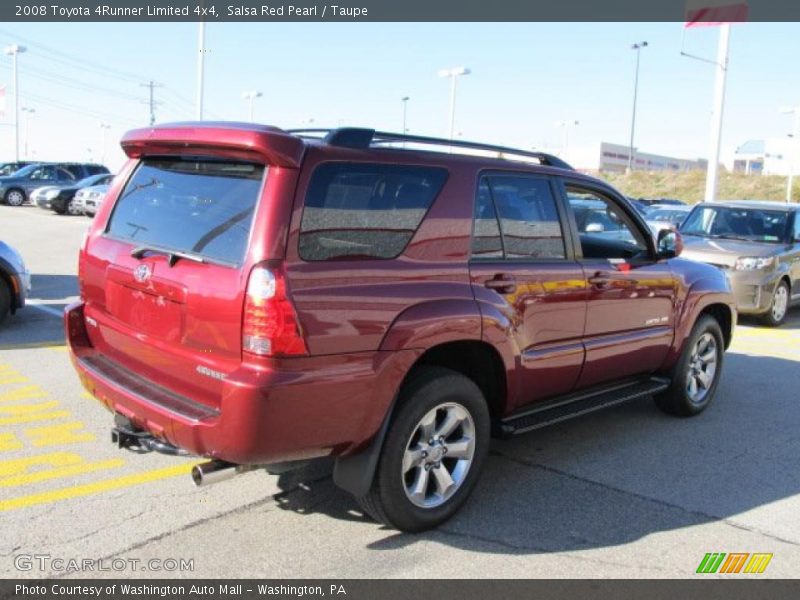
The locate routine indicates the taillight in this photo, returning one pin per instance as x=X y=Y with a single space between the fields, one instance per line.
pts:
x=270 y=326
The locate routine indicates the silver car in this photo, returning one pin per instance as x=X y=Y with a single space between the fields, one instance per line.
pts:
x=757 y=245
x=15 y=281
x=89 y=199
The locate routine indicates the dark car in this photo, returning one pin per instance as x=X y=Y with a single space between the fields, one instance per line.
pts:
x=260 y=297
x=15 y=189
x=61 y=199
x=10 y=168
x=757 y=246
x=662 y=201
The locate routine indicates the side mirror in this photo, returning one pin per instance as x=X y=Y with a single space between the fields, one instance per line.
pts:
x=669 y=243
x=595 y=228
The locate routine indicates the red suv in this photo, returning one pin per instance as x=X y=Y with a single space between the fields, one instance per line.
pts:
x=260 y=297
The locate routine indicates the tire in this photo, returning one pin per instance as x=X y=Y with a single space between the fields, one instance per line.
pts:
x=59 y=209
x=679 y=399
x=779 y=307
x=5 y=299
x=15 y=197
x=72 y=209
x=449 y=396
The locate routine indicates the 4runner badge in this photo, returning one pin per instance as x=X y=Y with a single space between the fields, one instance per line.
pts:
x=142 y=273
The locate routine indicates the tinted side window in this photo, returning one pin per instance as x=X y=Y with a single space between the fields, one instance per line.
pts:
x=797 y=226
x=365 y=210
x=528 y=217
x=486 y=241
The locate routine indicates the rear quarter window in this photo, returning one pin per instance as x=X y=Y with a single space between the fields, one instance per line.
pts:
x=203 y=207
x=365 y=210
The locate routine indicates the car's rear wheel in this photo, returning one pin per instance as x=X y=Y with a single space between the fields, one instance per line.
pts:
x=15 y=197
x=697 y=372
x=779 y=307
x=434 y=451
x=5 y=299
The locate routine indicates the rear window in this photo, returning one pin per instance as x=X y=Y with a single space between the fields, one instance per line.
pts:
x=365 y=210
x=201 y=207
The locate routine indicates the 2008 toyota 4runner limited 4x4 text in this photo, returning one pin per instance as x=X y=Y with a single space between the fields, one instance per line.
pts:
x=259 y=296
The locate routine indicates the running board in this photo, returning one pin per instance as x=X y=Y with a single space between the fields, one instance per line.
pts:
x=579 y=404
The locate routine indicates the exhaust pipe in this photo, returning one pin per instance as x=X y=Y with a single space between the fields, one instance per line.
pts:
x=215 y=471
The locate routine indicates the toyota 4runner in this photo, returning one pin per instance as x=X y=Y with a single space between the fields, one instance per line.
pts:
x=261 y=297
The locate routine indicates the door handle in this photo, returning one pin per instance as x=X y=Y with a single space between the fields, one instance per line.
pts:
x=502 y=284
x=600 y=279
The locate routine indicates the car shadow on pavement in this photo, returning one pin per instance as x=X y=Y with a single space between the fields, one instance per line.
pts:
x=53 y=287
x=619 y=475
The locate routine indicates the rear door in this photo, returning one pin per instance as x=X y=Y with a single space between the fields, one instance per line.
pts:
x=523 y=266
x=631 y=296
x=164 y=281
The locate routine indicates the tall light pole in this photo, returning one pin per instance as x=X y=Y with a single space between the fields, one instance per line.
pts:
x=566 y=125
x=250 y=98
x=793 y=110
x=405 y=100
x=201 y=55
x=28 y=112
x=721 y=67
x=453 y=74
x=105 y=127
x=638 y=47
x=15 y=50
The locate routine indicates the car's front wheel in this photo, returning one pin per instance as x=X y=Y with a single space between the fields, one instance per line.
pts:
x=434 y=451
x=779 y=307
x=15 y=197
x=696 y=375
x=73 y=209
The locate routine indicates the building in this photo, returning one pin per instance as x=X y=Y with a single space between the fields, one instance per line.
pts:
x=766 y=157
x=607 y=157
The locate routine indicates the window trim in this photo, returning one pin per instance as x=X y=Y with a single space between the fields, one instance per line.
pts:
x=566 y=233
x=303 y=197
x=632 y=219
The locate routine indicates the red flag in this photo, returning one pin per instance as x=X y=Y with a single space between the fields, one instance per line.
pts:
x=715 y=12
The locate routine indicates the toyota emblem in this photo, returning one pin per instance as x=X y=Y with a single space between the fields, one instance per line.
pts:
x=142 y=273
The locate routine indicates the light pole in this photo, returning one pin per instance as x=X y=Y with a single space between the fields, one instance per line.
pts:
x=15 y=50
x=794 y=110
x=638 y=47
x=28 y=112
x=250 y=98
x=105 y=127
x=453 y=74
x=405 y=100
x=566 y=125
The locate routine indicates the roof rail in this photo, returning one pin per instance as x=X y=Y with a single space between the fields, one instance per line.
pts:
x=356 y=137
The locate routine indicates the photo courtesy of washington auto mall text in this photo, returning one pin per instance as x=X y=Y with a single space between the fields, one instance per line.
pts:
x=443 y=299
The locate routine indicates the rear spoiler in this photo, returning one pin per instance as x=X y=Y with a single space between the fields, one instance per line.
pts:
x=240 y=141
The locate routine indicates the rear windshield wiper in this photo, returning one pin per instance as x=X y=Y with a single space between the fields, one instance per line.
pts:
x=173 y=256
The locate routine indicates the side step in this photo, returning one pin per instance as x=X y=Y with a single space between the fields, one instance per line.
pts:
x=579 y=404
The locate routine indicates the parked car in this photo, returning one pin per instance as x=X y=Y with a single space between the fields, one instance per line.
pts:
x=15 y=281
x=640 y=206
x=61 y=200
x=90 y=199
x=757 y=245
x=662 y=201
x=665 y=216
x=10 y=168
x=15 y=189
x=259 y=296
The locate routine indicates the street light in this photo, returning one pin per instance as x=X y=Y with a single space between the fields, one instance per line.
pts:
x=793 y=110
x=405 y=100
x=566 y=125
x=28 y=112
x=638 y=47
x=15 y=50
x=105 y=127
x=453 y=74
x=250 y=97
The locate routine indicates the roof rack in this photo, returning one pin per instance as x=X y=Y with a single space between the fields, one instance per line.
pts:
x=362 y=138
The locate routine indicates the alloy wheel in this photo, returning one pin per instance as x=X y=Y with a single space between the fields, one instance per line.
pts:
x=15 y=198
x=780 y=303
x=702 y=368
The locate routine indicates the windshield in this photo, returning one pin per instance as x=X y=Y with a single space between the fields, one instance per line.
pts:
x=24 y=171
x=748 y=224
x=200 y=207
x=91 y=180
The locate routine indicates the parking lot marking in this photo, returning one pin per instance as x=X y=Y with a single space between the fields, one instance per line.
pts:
x=63 y=433
x=96 y=487
x=52 y=344
x=9 y=442
x=26 y=409
x=23 y=471
x=47 y=309
x=58 y=414
x=29 y=392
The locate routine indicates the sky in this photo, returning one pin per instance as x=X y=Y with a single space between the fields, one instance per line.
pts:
x=525 y=77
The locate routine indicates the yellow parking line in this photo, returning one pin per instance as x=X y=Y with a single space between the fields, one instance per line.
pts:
x=94 y=488
x=51 y=345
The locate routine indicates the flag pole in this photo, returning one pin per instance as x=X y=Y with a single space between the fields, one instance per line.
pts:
x=716 y=119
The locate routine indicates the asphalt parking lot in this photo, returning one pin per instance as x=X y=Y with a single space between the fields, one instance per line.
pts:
x=628 y=492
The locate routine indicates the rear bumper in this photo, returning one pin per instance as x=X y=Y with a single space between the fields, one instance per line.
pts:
x=290 y=410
